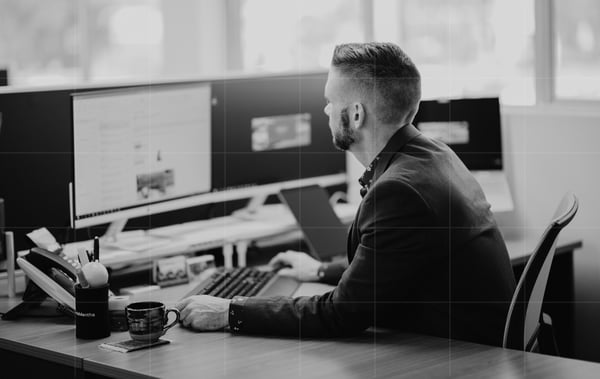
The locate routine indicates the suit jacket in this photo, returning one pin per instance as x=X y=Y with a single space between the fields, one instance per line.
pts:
x=424 y=253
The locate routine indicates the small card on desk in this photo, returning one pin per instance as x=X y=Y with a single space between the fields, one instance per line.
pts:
x=170 y=271
x=131 y=345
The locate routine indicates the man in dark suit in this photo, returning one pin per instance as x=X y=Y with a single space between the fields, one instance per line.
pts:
x=424 y=253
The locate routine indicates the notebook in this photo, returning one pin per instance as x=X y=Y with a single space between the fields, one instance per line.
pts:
x=324 y=232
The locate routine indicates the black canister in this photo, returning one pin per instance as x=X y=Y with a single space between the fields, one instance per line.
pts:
x=92 y=319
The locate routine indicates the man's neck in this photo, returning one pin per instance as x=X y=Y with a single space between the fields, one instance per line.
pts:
x=372 y=143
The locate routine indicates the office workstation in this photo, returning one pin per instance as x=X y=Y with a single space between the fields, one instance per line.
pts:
x=207 y=182
x=98 y=188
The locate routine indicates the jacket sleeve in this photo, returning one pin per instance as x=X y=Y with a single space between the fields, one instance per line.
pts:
x=393 y=224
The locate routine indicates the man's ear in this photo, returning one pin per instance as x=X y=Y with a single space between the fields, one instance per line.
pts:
x=357 y=116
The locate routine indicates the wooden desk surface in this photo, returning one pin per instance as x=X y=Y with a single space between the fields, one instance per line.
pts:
x=382 y=354
x=373 y=354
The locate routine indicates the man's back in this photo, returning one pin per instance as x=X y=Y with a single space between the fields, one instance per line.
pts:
x=452 y=277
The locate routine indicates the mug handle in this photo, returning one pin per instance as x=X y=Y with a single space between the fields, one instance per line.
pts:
x=177 y=316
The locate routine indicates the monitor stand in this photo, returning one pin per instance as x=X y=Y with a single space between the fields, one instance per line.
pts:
x=134 y=240
x=252 y=208
x=113 y=230
x=257 y=210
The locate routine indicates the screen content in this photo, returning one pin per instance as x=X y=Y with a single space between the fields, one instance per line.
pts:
x=280 y=132
x=139 y=146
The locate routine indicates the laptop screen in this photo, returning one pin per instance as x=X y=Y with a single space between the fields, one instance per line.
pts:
x=324 y=232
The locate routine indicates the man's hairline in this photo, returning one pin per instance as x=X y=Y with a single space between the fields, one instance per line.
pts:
x=350 y=81
x=372 y=102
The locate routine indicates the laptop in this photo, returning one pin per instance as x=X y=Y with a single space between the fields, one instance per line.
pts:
x=324 y=233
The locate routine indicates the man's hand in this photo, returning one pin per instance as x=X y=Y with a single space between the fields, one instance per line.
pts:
x=300 y=265
x=204 y=313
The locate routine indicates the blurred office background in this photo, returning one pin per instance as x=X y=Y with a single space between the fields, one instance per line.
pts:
x=539 y=56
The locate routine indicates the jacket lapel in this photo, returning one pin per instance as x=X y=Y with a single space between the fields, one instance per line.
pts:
x=353 y=240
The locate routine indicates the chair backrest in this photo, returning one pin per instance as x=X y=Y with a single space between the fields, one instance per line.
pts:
x=525 y=312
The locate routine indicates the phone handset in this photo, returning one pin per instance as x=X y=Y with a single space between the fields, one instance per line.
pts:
x=46 y=260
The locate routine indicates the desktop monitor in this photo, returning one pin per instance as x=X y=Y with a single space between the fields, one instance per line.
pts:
x=470 y=126
x=270 y=132
x=139 y=150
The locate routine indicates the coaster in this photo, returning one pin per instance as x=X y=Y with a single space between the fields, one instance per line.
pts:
x=131 y=345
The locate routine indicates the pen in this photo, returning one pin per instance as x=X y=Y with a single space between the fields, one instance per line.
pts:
x=96 y=249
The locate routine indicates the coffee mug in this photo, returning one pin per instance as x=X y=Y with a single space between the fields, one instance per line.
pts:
x=148 y=320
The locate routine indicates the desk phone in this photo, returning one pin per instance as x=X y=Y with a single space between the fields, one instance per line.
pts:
x=51 y=273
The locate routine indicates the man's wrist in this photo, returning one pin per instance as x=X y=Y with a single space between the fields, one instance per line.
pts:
x=226 y=318
x=321 y=271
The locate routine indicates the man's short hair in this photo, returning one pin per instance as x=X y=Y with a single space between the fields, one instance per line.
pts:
x=384 y=71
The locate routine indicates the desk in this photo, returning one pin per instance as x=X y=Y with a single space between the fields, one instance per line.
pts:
x=43 y=344
x=50 y=344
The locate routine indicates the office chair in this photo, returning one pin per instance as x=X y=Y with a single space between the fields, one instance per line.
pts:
x=527 y=327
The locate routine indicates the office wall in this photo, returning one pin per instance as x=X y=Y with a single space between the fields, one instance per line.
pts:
x=551 y=150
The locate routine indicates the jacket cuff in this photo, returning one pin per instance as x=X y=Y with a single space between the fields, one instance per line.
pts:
x=330 y=273
x=236 y=313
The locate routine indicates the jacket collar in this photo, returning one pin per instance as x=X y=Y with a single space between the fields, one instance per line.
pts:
x=384 y=158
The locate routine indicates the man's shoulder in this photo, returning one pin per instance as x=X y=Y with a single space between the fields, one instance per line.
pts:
x=391 y=191
x=393 y=182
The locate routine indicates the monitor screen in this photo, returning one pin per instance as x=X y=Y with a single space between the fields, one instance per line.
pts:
x=140 y=150
x=471 y=127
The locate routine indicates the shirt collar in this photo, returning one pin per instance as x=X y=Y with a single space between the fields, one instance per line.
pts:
x=384 y=158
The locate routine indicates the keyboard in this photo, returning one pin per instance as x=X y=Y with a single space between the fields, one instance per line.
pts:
x=238 y=281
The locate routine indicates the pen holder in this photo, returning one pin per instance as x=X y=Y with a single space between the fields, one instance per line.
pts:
x=92 y=319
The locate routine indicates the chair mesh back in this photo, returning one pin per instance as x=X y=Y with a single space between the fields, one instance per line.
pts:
x=525 y=311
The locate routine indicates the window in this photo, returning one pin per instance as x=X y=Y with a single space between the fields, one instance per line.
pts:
x=38 y=41
x=280 y=35
x=577 y=49
x=66 y=41
x=465 y=48
x=125 y=39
